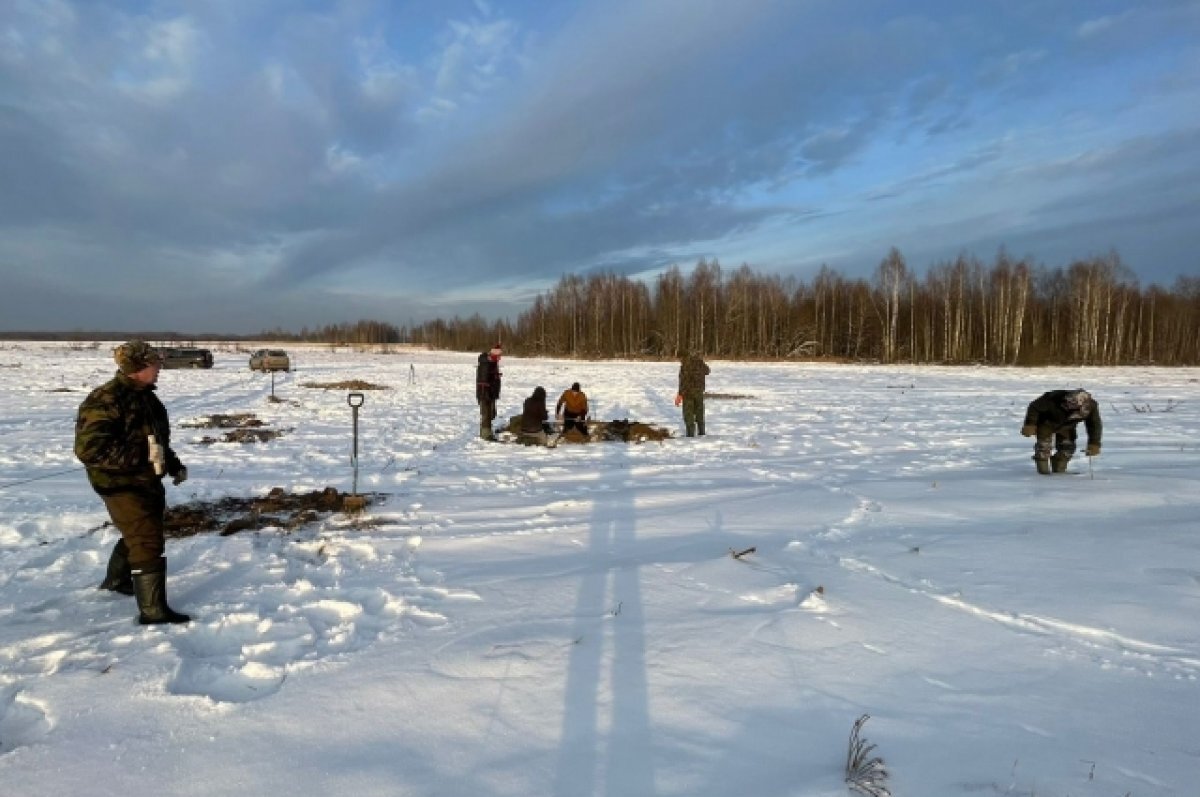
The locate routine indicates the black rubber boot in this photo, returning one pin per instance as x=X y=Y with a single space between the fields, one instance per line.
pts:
x=150 y=588
x=1059 y=462
x=700 y=428
x=1043 y=466
x=118 y=578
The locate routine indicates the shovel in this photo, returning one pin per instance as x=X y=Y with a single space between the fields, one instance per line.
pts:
x=354 y=502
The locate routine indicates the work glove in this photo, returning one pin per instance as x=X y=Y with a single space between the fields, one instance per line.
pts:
x=678 y=399
x=1093 y=449
x=157 y=455
x=1028 y=430
x=179 y=476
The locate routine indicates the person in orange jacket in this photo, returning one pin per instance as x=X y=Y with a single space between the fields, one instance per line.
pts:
x=572 y=407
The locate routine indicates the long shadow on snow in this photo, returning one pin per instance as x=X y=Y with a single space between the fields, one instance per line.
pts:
x=614 y=592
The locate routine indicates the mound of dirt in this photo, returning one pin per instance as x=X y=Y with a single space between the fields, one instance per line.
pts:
x=618 y=430
x=350 y=384
x=245 y=428
x=244 y=436
x=237 y=420
x=277 y=508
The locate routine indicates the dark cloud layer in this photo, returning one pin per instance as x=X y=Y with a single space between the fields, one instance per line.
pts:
x=171 y=160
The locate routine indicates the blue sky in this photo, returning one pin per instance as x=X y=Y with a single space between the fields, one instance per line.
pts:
x=241 y=164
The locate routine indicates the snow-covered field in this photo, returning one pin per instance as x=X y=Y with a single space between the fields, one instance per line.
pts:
x=529 y=621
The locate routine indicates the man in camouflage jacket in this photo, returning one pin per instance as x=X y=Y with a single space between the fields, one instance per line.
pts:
x=692 y=370
x=1052 y=418
x=123 y=438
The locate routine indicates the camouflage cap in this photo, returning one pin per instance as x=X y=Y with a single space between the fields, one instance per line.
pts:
x=135 y=355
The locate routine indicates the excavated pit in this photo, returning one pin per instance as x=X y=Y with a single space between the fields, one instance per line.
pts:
x=277 y=509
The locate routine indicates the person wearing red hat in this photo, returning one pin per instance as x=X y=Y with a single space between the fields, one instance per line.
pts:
x=487 y=389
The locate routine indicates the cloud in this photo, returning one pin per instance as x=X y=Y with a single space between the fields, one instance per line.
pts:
x=1100 y=25
x=440 y=153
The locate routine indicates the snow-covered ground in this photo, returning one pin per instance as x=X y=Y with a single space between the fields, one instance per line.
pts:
x=529 y=621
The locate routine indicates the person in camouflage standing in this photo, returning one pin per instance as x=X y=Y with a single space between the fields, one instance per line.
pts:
x=123 y=438
x=692 y=370
x=1052 y=418
x=487 y=389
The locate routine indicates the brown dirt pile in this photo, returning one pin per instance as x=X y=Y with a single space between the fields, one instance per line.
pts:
x=277 y=508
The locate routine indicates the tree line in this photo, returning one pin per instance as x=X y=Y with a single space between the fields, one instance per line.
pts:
x=1007 y=312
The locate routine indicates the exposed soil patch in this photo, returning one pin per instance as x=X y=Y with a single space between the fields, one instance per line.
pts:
x=350 y=384
x=728 y=396
x=618 y=430
x=59 y=390
x=237 y=420
x=245 y=428
x=277 y=509
x=244 y=436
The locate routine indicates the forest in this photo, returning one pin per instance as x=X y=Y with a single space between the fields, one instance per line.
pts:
x=1007 y=312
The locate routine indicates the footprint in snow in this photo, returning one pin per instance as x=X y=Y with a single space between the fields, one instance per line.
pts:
x=23 y=721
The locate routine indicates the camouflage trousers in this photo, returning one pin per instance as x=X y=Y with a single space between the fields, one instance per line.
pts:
x=693 y=414
x=1051 y=439
x=139 y=515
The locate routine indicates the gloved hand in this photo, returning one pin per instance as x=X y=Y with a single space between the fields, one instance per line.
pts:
x=1028 y=430
x=157 y=455
x=1093 y=450
x=678 y=399
x=179 y=476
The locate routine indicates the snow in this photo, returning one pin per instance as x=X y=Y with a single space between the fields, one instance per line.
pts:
x=530 y=621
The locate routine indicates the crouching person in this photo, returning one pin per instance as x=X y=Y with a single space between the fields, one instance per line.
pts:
x=1052 y=418
x=123 y=438
x=572 y=408
x=535 y=420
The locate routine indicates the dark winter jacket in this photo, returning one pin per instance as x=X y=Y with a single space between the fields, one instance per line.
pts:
x=1051 y=411
x=691 y=376
x=487 y=378
x=534 y=417
x=111 y=436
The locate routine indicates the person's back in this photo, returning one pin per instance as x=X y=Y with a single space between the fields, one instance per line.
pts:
x=487 y=376
x=574 y=401
x=692 y=370
x=534 y=416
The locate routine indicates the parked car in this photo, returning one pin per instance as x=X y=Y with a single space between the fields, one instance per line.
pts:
x=185 y=357
x=270 y=360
